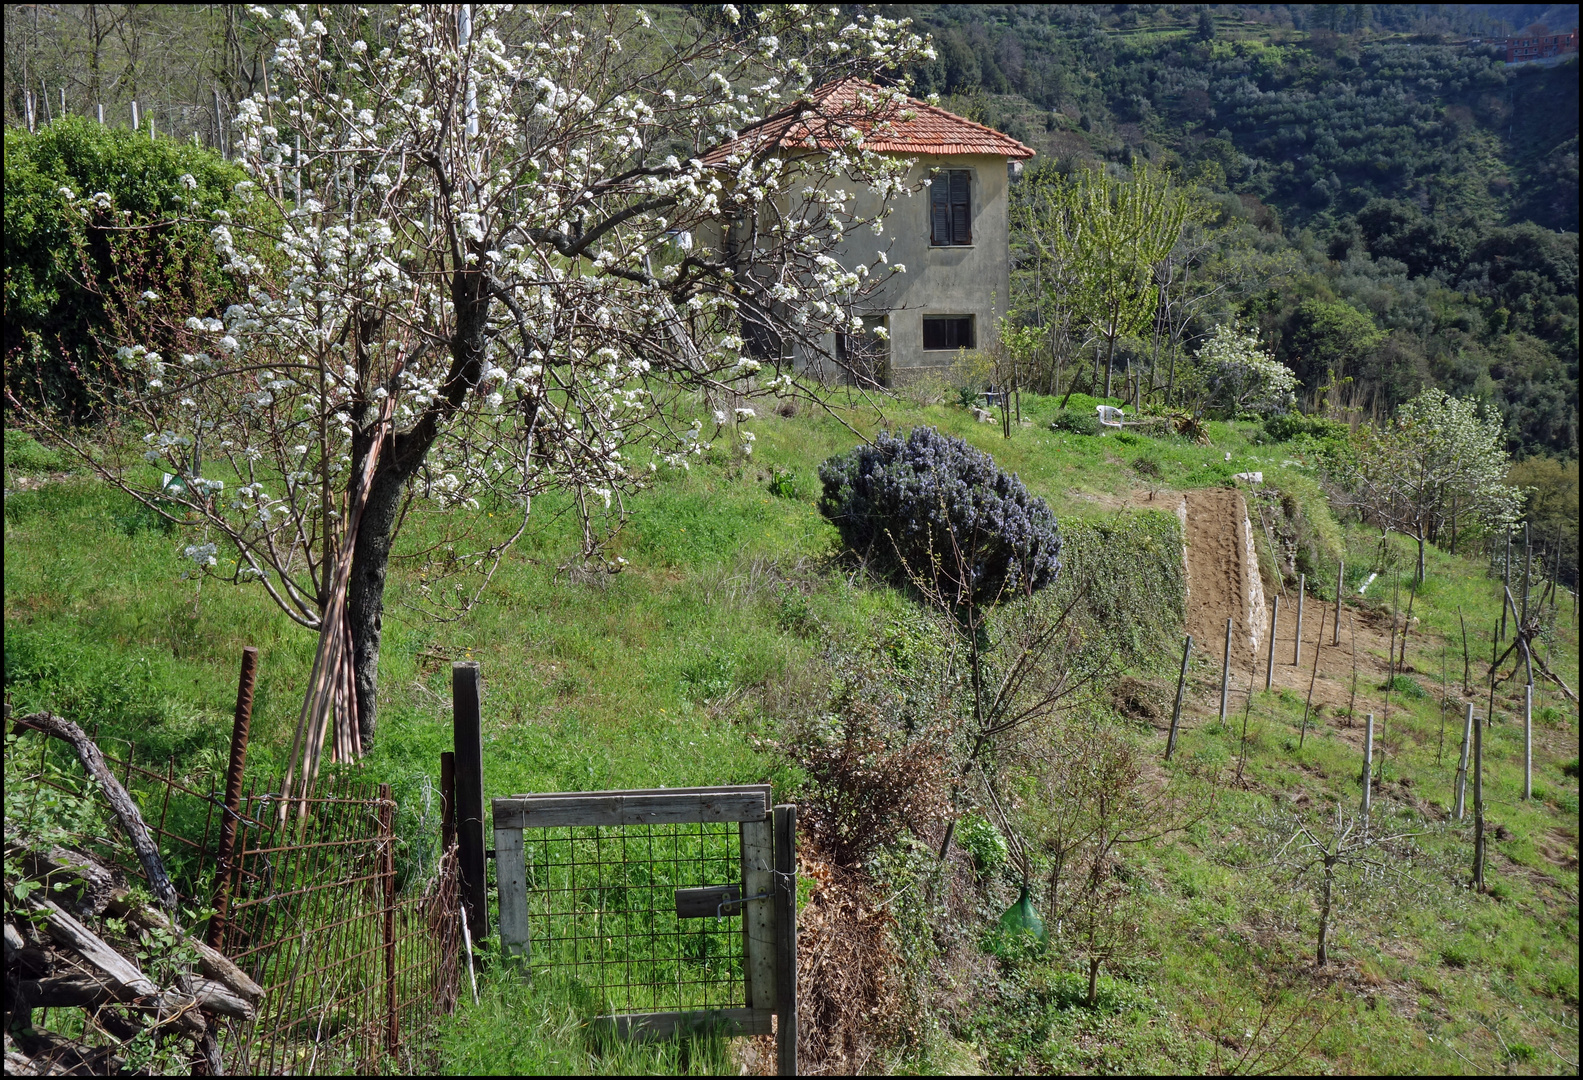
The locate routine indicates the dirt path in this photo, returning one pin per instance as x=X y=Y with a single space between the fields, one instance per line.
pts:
x=1223 y=577
x=1223 y=582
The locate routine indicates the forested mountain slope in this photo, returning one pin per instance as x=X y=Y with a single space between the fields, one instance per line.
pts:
x=1425 y=182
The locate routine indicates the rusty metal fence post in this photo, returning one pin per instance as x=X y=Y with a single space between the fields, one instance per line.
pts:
x=240 y=723
x=387 y=843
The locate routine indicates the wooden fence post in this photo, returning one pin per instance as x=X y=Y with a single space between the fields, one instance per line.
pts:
x=447 y=800
x=1528 y=741
x=1297 y=639
x=1269 y=660
x=387 y=846
x=1341 y=577
x=466 y=725
x=241 y=721
x=1368 y=767
x=1181 y=685
x=785 y=818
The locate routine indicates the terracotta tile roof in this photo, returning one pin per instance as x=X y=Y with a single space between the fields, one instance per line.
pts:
x=816 y=120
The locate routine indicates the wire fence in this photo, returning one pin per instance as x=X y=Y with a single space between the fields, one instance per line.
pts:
x=602 y=911
x=359 y=954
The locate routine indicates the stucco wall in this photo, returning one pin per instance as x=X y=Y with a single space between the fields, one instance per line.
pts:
x=968 y=280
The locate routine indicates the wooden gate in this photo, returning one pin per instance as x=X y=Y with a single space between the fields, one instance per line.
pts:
x=675 y=907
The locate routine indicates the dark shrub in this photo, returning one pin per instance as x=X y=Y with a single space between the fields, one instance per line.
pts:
x=1076 y=421
x=934 y=510
x=151 y=234
x=1290 y=425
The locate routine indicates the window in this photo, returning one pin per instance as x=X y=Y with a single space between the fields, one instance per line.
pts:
x=951 y=208
x=948 y=332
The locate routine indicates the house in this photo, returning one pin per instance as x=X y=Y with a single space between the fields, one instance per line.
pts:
x=952 y=236
x=1540 y=46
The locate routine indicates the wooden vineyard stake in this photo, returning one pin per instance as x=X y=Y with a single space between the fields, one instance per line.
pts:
x=1303 y=734
x=1462 y=766
x=1225 y=673
x=1297 y=638
x=1341 y=576
x=1368 y=766
x=1269 y=662
x=1181 y=684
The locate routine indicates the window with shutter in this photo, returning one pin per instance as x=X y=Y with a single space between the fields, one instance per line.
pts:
x=960 y=232
x=951 y=208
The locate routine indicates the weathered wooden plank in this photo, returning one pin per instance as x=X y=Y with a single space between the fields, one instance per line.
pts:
x=211 y=961
x=511 y=876
x=758 y=924
x=642 y=1027
x=123 y=976
x=667 y=809
x=705 y=902
x=713 y=790
x=786 y=939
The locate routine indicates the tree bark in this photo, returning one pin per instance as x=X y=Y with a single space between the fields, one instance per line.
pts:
x=1093 y=982
x=400 y=460
x=1324 y=913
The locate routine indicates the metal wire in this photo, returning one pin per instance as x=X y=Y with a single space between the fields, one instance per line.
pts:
x=310 y=904
x=602 y=914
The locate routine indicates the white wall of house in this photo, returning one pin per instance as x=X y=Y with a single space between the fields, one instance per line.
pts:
x=972 y=280
x=959 y=280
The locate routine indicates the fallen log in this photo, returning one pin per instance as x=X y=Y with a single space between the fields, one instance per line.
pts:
x=131 y=819
x=211 y=961
x=148 y=854
x=127 y=983
x=90 y=884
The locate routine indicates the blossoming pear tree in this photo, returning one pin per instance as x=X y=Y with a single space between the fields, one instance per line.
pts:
x=465 y=269
x=1439 y=455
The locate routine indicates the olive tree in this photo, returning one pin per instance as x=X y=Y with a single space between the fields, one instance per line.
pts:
x=466 y=251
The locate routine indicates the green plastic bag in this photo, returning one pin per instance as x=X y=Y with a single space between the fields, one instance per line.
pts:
x=1021 y=919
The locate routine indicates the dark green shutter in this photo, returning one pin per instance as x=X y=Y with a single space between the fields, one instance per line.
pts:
x=940 y=209
x=961 y=232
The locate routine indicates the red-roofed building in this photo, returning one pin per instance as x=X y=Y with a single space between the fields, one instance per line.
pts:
x=951 y=231
x=1526 y=47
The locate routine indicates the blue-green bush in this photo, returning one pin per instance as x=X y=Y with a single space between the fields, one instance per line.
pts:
x=933 y=510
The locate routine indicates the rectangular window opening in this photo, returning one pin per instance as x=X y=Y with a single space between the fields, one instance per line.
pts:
x=951 y=208
x=948 y=332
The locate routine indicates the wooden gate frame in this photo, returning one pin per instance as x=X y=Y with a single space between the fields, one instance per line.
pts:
x=769 y=868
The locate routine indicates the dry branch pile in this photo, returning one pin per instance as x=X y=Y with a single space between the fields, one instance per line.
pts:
x=77 y=938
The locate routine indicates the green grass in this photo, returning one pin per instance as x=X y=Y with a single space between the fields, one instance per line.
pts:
x=669 y=672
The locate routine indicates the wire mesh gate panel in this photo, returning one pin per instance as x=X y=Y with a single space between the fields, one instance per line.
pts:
x=658 y=903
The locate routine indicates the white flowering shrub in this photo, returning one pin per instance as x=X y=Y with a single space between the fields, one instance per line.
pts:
x=1241 y=375
x=463 y=244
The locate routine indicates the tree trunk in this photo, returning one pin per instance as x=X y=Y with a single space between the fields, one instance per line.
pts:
x=1420 y=539
x=1093 y=982
x=1324 y=914
x=365 y=594
x=403 y=455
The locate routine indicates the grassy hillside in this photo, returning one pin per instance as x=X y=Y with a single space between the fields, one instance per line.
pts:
x=689 y=666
